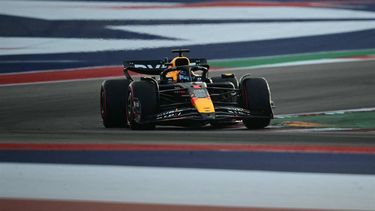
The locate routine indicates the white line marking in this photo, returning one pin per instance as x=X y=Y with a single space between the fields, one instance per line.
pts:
x=188 y=186
x=281 y=116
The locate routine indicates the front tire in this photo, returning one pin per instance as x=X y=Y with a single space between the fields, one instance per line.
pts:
x=256 y=97
x=113 y=95
x=141 y=105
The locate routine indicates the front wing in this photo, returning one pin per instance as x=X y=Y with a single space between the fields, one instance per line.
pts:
x=222 y=113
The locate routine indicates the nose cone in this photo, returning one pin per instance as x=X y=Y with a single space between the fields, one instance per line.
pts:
x=203 y=105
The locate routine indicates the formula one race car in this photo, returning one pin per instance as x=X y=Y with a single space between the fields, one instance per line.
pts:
x=180 y=92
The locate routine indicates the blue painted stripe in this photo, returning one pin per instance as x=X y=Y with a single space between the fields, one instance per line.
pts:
x=269 y=161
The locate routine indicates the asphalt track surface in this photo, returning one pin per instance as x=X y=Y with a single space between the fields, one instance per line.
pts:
x=68 y=112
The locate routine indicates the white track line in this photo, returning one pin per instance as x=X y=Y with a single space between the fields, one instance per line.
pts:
x=281 y=116
x=180 y=186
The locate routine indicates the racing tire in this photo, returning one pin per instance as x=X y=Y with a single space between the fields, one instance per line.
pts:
x=142 y=102
x=255 y=96
x=233 y=80
x=113 y=95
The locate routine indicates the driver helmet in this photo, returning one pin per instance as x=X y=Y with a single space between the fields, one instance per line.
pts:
x=179 y=75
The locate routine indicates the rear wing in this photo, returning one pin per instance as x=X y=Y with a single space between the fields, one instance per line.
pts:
x=154 y=67
x=147 y=67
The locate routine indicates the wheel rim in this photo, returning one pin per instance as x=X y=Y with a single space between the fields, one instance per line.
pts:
x=129 y=109
x=103 y=104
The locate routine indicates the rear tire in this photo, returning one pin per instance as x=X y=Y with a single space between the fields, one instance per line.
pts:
x=256 y=98
x=142 y=102
x=113 y=95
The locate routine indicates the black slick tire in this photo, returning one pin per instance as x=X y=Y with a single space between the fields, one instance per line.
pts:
x=113 y=95
x=142 y=103
x=255 y=97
